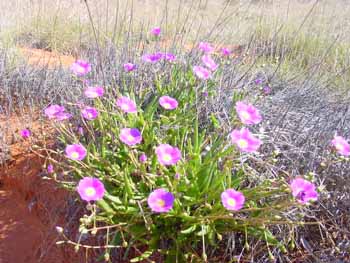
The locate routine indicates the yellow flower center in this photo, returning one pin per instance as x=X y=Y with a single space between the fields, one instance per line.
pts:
x=339 y=147
x=160 y=202
x=167 y=157
x=242 y=143
x=125 y=106
x=130 y=138
x=166 y=105
x=245 y=115
x=75 y=155
x=90 y=191
x=231 y=202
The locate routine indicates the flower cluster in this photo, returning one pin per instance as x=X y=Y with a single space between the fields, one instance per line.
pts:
x=243 y=138
x=160 y=200
x=155 y=57
x=210 y=65
x=154 y=159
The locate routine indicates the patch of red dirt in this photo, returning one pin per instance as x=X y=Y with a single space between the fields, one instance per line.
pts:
x=26 y=222
x=39 y=57
x=31 y=207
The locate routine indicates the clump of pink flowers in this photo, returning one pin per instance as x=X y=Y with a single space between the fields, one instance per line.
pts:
x=161 y=201
x=341 y=145
x=303 y=190
x=167 y=154
x=127 y=105
x=247 y=113
x=81 y=67
x=245 y=140
x=130 y=136
x=76 y=152
x=168 y=103
x=91 y=189
x=232 y=200
x=94 y=92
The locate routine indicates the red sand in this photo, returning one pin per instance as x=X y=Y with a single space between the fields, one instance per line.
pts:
x=30 y=207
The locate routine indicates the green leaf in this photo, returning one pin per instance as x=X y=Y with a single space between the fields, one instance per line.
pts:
x=145 y=255
x=105 y=206
x=113 y=198
x=205 y=230
x=189 y=230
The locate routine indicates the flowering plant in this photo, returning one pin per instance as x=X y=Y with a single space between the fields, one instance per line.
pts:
x=156 y=177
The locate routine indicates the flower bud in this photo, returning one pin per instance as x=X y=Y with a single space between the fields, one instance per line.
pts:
x=59 y=229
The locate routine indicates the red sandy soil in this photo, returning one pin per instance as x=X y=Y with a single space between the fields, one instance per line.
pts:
x=39 y=57
x=30 y=206
x=27 y=232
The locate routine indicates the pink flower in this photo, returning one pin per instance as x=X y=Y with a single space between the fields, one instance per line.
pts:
x=52 y=111
x=258 y=81
x=156 y=31
x=76 y=152
x=89 y=113
x=225 y=51
x=205 y=47
x=152 y=58
x=232 y=200
x=25 y=133
x=248 y=113
x=94 y=92
x=130 y=136
x=245 y=141
x=63 y=116
x=168 y=103
x=202 y=72
x=341 y=145
x=81 y=67
x=167 y=154
x=129 y=67
x=266 y=90
x=143 y=158
x=304 y=191
x=209 y=62
x=81 y=131
x=50 y=169
x=91 y=189
x=161 y=201
x=127 y=105
x=169 y=57
x=57 y=112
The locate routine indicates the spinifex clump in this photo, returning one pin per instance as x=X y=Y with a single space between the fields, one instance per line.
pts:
x=159 y=178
